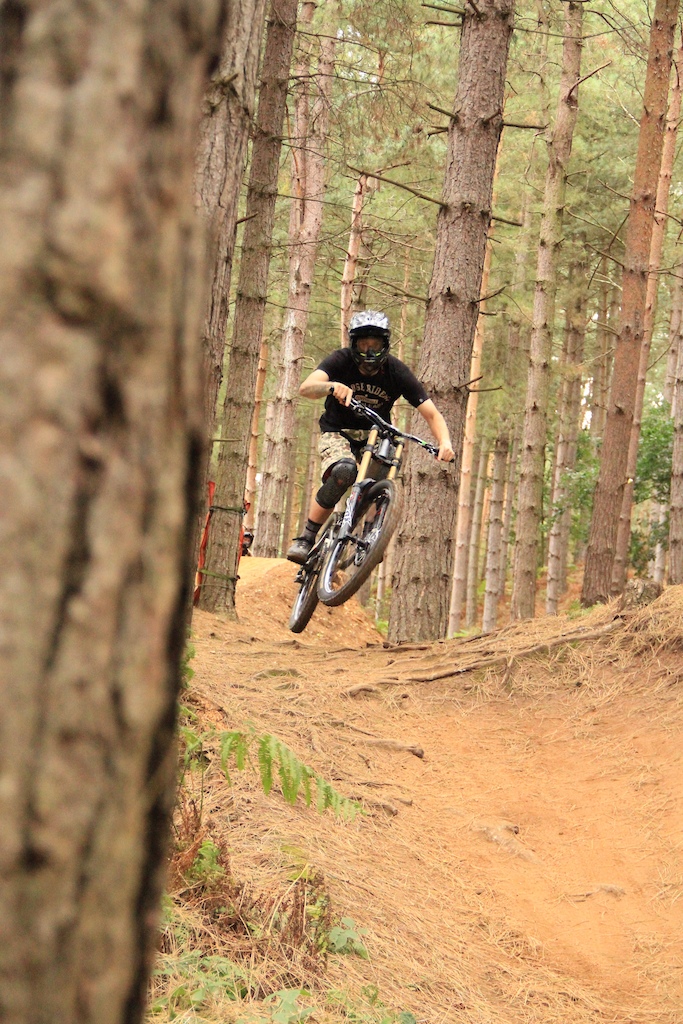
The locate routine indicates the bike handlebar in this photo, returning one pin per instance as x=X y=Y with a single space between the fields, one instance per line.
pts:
x=388 y=428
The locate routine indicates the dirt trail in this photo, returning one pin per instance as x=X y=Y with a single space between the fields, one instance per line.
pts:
x=523 y=862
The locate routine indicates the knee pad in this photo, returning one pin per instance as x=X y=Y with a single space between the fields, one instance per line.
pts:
x=341 y=475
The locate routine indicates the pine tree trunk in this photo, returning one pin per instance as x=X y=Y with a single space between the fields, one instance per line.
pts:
x=621 y=553
x=494 y=587
x=676 y=508
x=510 y=492
x=311 y=465
x=252 y=465
x=101 y=273
x=308 y=155
x=464 y=517
x=350 y=263
x=228 y=109
x=424 y=548
x=612 y=478
x=475 y=540
x=538 y=383
x=675 y=333
x=603 y=343
x=222 y=555
x=565 y=459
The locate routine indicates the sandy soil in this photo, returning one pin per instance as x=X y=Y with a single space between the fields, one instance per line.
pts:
x=520 y=858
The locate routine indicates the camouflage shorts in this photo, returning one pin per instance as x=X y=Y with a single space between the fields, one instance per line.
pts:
x=333 y=447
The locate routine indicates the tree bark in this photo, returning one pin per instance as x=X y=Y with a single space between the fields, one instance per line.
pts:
x=222 y=554
x=569 y=425
x=494 y=587
x=252 y=463
x=311 y=465
x=603 y=345
x=227 y=112
x=621 y=553
x=308 y=185
x=474 y=545
x=612 y=477
x=675 y=332
x=351 y=261
x=676 y=509
x=424 y=549
x=101 y=446
x=464 y=516
x=510 y=490
x=538 y=383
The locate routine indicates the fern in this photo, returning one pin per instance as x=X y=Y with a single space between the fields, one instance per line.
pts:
x=296 y=778
x=233 y=743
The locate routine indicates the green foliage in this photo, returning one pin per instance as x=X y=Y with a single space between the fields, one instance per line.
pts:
x=282 y=1008
x=201 y=978
x=206 y=867
x=370 y=1011
x=346 y=938
x=580 y=484
x=653 y=471
x=186 y=670
x=295 y=777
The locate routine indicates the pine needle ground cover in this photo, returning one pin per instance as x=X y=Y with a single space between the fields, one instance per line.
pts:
x=518 y=855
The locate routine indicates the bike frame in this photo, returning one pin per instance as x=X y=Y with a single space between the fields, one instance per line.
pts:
x=386 y=431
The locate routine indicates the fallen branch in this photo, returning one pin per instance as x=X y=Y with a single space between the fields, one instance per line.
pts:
x=360 y=688
x=381 y=805
x=396 y=745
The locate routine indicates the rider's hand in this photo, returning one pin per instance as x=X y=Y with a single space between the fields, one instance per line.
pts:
x=341 y=392
x=446 y=453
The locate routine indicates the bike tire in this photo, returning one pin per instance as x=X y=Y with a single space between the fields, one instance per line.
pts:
x=385 y=499
x=305 y=604
x=307 y=599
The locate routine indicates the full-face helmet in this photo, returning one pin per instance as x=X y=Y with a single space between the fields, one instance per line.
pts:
x=369 y=324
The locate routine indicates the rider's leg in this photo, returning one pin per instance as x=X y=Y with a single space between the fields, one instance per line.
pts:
x=338 y=479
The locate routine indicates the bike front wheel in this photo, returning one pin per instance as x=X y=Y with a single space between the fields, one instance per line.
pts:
x=305 y=603
x=307 y=599
x=350 y=561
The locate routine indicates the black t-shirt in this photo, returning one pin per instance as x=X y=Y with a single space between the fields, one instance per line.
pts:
x=379 y=391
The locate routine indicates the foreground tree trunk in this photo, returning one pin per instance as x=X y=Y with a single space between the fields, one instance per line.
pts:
x=523 y=600
x=308 y=186
x=424 y=549
x=612 y=478
x=101 y=272
x=222 y=555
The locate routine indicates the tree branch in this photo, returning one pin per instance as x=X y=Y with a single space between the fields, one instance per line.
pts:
x=398 y=184
x=589 y=75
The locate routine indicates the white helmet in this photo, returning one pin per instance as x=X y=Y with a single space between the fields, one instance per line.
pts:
x=369 y=323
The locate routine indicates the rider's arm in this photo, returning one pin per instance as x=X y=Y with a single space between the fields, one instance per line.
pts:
x=318 y=384
x=437 y=425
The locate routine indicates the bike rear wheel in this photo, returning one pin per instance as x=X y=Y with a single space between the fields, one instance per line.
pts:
x=349 y=562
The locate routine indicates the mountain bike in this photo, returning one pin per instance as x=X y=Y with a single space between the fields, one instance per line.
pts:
x=353 y=541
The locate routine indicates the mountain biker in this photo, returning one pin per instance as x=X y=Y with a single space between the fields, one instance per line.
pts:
x=368 y=372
